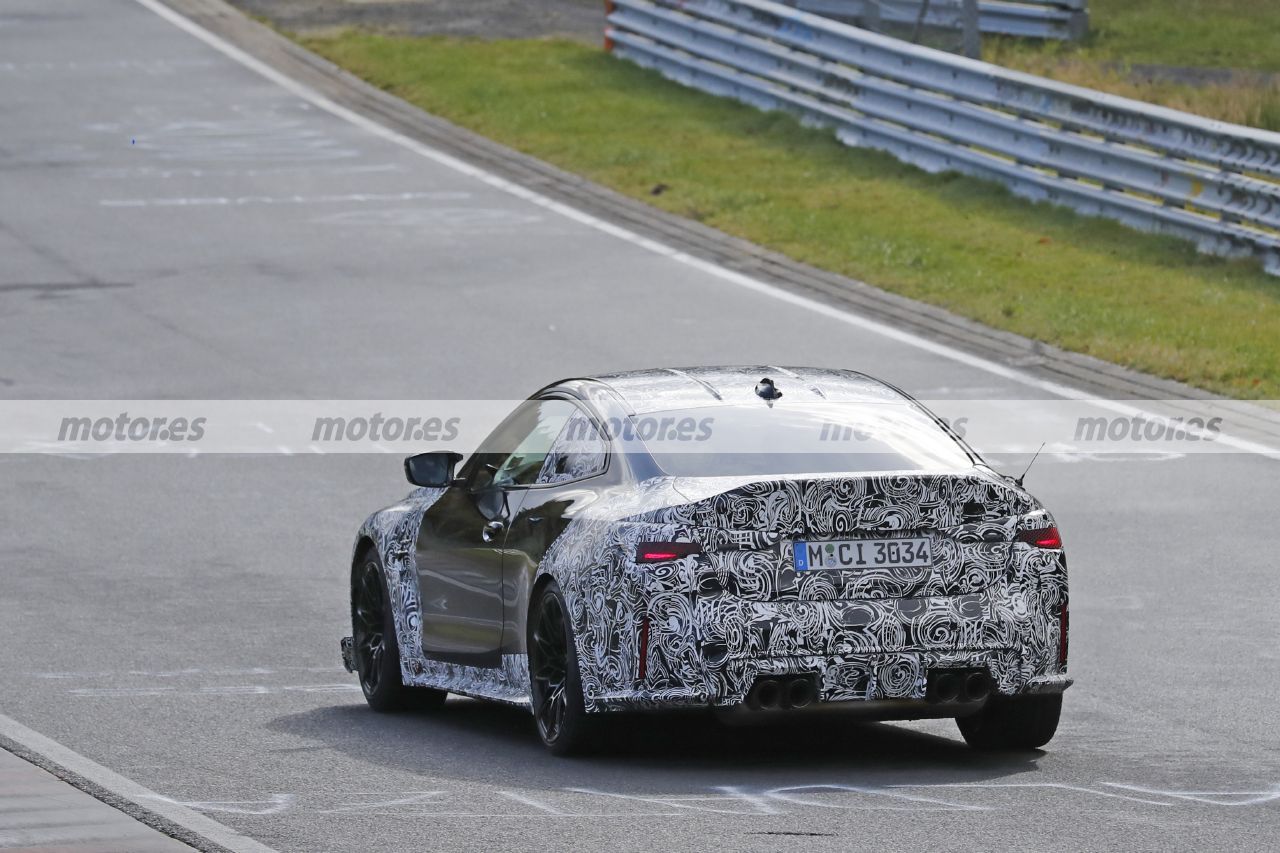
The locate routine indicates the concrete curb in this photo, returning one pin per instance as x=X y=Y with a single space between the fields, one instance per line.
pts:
x=143 y=805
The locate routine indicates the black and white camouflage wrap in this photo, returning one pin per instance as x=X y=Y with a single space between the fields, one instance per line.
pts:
x=394 y=532
x=720 y=619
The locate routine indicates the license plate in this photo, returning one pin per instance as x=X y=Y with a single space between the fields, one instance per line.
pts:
x=852 y=554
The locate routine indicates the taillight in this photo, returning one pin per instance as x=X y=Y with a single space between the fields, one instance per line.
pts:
x=657 y=552
x=1044 y=537
x=1064 y=621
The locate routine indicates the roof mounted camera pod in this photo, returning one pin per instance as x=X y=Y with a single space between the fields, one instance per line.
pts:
x=767 y=390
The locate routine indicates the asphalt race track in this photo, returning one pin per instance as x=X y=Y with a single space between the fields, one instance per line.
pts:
x=174 y=225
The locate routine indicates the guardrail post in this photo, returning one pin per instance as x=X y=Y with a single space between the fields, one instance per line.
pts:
x=921 y=15
x=971 y=31
x=1078 y=25
x=871 y=16
x=608 y=31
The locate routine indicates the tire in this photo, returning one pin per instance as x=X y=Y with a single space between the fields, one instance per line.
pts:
x=554 y=679
x=376 y=651
x=1020 y=723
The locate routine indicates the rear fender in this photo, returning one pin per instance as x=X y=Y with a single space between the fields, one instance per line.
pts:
x=1038 y=595
x=608 y=595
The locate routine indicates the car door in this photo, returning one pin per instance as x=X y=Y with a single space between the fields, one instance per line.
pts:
x=572 y=477
x=461 y=541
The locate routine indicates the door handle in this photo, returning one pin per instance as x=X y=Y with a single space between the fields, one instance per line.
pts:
x=492 y=530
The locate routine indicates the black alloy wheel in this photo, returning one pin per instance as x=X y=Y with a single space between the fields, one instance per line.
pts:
x=377 y=654
x=556 y=687
x=369 y=618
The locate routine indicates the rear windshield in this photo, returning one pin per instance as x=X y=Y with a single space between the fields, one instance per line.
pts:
x=808 y=438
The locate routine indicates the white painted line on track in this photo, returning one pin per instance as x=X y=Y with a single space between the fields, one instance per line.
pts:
x=746 y=282
x=127 y=789
x=244 y=200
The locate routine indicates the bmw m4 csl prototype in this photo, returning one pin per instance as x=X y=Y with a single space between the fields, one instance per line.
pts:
x=709 y=537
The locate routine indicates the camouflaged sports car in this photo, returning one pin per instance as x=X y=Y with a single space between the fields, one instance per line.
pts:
x=758 y=540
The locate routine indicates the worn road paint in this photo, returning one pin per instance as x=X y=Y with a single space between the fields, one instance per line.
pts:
x=211 y=690
x=726 y=800
x=241 y=201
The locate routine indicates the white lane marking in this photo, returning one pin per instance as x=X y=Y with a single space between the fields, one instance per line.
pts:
x=410 y=798
x=187 y=672
x=405 y=803
x=150 y=66
x=129 y=692
x=209 y=690
x=135 y=172
x=755 y=805
x=1056 y=786
x=1213 y=798
x=904 y=802
x=733 y=800
x=128 y=790
x=746 y=282
x=277 y=804
x=241 y=201
x=535 y=804
x=439 y=218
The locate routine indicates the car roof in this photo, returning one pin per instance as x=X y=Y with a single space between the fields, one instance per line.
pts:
x=663 y=389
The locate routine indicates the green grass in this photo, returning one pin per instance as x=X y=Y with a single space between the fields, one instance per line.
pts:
x=1088 y=285
x=1242 y=35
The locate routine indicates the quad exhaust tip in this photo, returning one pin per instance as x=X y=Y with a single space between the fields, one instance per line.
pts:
x=800 y=693
x=947 y=687
x=976 y=687
x=768 y=694
x=783 y=692
x=958 y=685
x=944 y=686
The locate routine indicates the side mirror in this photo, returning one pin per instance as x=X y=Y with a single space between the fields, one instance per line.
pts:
x=432 y=470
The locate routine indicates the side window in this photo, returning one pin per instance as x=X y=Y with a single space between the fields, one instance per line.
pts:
x=518 y=449
x=579 y=452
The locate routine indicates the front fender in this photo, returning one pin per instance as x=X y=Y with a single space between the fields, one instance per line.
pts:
x=393 y=531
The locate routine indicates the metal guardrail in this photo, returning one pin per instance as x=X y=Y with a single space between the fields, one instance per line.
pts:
x=1052 y=19
x=1045 y=19
x=1149 y=167
x=919 y=21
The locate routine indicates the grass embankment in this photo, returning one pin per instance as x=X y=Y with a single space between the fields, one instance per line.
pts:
x=1084 y=284
x=1243 y=35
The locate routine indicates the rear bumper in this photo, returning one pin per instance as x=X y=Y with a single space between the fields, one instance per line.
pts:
x=1048 y=684
x=888 y=685
x=712 y=649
